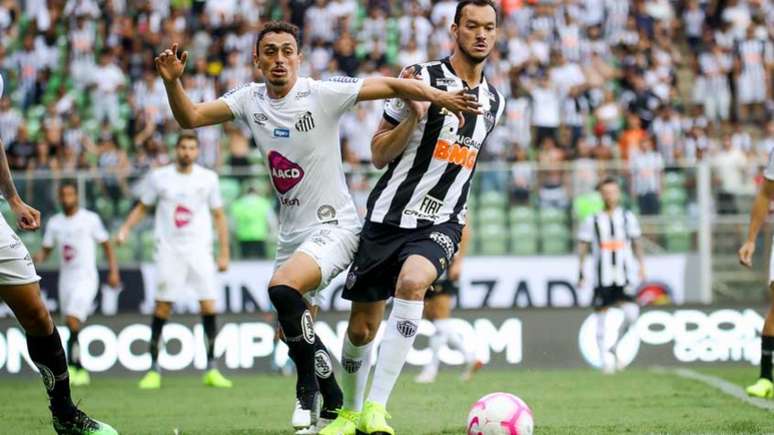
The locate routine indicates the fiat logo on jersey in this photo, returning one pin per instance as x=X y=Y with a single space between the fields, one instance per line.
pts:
x=183 y=216
x=284 y=173
x=68 y=253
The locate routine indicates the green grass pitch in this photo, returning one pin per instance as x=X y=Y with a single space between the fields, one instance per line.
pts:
x=563 y=402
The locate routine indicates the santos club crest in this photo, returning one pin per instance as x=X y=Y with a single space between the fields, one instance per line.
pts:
x=305 y=122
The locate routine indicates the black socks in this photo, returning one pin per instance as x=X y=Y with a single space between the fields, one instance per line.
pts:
x=74 y=350
x=329 y=388
x=49 y=356
x=157 y=324
x=298 y=326
x=767 y=348
x=208 y=323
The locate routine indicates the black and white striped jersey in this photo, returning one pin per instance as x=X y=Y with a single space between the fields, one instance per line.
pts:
x=610 y=236
x=428 y=183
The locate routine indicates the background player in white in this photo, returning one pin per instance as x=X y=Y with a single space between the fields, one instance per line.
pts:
x=760 y=211
x=20 y=290
x=438 y=307
x=613 y=237
x=74 y=233
x=187 y=200
x=294 y=120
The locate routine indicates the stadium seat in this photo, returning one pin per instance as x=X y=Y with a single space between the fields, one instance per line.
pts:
x=148 y=246
x=32 y=240
x=492 y=239
x=126 y=253
x=229 y=189
x=673 y=179
x=520 y=214
x=494 y=215
x=555 y=239
x=492 y=198
x=524 y=238
x=674 y=195
x=678 y=237
x=552 y=216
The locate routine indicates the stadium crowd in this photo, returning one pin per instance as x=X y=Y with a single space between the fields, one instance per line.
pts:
x=643 y=84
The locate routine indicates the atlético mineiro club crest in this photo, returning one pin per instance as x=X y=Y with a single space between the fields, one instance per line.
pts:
x=305 y=122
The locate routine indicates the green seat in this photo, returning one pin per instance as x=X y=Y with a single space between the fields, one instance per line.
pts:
x=678 y=237
x=492 y=198
x=32 y=240
x=229 y=190
x=674 y=195
x=555 y=238
x=493 y=240
x=126 y=253
x=552 y=215
x=148 y=242
x=524 y=239
x=495 y=215
x=673 y=210
x=674 y=179
x=521 y=214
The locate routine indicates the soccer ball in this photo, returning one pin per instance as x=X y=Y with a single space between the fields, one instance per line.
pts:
x=500 y=414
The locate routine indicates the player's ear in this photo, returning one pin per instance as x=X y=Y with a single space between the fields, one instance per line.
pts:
x=454 y=29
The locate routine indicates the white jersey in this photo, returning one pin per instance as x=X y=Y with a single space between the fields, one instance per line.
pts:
x=75 y=237
x=183 y=205
x=768 y=173
x=299 y=138
x=610 y=236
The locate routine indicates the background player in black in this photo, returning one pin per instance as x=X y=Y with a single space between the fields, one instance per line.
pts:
x=415 y=217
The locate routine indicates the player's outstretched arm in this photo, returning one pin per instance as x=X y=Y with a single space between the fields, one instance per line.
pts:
x=27 y=217
x=135 y=216
x=187 y=114
x=758 y=214
x=380 y=88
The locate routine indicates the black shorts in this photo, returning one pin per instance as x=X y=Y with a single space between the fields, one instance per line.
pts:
x=608 y=296
x=382 y=251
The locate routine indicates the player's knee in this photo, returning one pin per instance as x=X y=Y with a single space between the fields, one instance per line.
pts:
x=411 y=287
x=36 y=321
x=361 y=333
x=285 y=299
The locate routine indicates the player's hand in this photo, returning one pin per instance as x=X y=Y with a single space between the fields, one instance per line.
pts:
x=27 y=218
x=745 y=254
x=458 y=103
x=223 y=263
x=123 y=234
x=114 y=279
x=418 y=108
x=169 y=66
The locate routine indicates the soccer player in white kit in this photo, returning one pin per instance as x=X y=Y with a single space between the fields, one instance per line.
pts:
x=294 y=120
x=74 y=233
x=760 y=211
x=187 y=200
x=20 y=290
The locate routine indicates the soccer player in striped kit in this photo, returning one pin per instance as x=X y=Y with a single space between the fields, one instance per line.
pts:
x=415 y=215
x=613 y=237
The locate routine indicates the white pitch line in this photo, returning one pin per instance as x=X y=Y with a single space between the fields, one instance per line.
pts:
x=721 y=384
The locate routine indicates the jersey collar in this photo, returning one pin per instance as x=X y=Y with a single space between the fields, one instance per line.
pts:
x=447 y=62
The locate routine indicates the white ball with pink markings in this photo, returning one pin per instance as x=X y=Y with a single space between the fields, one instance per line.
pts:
x=500 y=414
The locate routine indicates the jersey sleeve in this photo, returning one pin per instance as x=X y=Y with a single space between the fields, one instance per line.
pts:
x=339 y=94
x=98 y=231
x=633 y=226
x=150 y=192
x=237 y=99
x=586 y=230
x=214 y=199
x=48 y=235
x=395 y=109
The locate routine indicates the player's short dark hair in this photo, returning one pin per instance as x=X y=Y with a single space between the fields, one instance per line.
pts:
x=462 y=3
x=187 y=134
x=607 y=180
x=68 y=183
x=278 y=27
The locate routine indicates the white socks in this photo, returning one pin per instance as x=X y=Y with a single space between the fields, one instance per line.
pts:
x=399 y=336
x=631 y=312
x=601 y=317
x=356 y=361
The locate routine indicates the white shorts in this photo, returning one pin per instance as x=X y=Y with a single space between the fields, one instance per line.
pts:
x=16 y=266
x=332 y=248
x=76 y=295
x=180 y=270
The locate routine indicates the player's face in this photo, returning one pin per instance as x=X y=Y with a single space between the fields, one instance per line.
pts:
x=611 y=195
x=187 y=151
x=68 y=198
x=278 y=58
x=475 y=35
